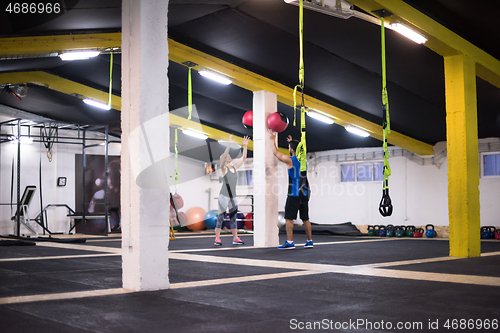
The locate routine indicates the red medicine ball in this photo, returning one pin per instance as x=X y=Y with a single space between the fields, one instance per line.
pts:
x=277 y=122
x=248 y=119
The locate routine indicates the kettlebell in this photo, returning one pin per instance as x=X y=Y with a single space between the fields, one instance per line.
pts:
x=497 y=234
x=430 y=232
x=418 y=232
x=390 y=230
x=485 y=232
x=404 y=230
x=382 y=231
x=398 y=231
x=376 y=230
x=409 y=230
x=492 y=232
x=370 y=231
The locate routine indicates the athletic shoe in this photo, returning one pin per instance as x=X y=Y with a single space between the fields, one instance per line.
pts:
x=287 y=246
x=218 y=242
x=309 y=244
x=237 y=241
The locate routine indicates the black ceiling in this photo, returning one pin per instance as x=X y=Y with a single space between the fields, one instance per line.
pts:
x=342 y=65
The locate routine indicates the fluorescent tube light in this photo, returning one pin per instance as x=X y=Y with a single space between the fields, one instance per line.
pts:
x=215 y=76
x=27 y=140
x=194 y=134
x=96 y=104
x=24 y=139
x=408 y=33
x=78 y=55
x=357 y=131
x=320 y=117
x=225 y=143
x=338 y=8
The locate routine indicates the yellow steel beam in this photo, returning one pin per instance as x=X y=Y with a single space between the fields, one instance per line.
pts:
x=440 y=39
x=60 y=84
x=248 y=80
x=463 y=165
x=58 y=43
x=66 y=86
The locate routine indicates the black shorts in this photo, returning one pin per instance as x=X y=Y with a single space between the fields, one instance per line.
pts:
x=293 y=205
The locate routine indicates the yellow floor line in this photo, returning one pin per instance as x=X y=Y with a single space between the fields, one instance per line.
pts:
x=61 y=257
x=71 y=295
x=250 y=278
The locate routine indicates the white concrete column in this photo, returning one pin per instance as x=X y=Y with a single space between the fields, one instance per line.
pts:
x=264 y=172
x=145 y=211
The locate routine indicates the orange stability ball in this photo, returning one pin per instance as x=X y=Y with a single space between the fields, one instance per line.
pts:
x=195 y=218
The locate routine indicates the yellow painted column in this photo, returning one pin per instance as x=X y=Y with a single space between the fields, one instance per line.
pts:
x=463 y=156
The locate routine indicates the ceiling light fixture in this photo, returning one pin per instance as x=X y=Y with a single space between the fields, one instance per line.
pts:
x=194 y=134
x=338 y=8
x=78 y=55
x=408 y=32
x=320 y=117
x=357 y=131
x=215 y=76
x=96 y=104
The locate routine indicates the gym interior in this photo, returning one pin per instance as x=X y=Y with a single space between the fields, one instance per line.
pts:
x=117 y=119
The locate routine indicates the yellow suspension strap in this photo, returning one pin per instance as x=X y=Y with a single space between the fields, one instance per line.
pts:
x=190 y=65
x=385 y=207
x=190 y=94
x=301 y=148
x=176 y=174
x=110 y=79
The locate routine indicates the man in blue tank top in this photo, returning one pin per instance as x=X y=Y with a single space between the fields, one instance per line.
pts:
x=298 y=193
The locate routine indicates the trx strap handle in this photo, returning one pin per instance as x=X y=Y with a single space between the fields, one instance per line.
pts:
x=385 y=207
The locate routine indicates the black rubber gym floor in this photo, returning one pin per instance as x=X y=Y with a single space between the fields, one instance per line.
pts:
x=257 y=298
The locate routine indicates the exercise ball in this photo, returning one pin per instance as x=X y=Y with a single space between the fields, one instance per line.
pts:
x=211 y=219
x=173 y=216
x=240 y=223
x=281 y=219
x=277 y=122
x=248 y=119
x=178 y=201
x=175 y=223
x=182 y=219
x=195 y=217
x=249 y=221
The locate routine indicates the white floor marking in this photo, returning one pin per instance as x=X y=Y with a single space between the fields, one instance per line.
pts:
x=302 y=269
x=71 y=295
x=249 y=278
x=61 y=257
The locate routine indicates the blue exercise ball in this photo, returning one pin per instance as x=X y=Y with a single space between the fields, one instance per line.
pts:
x=211 y=219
